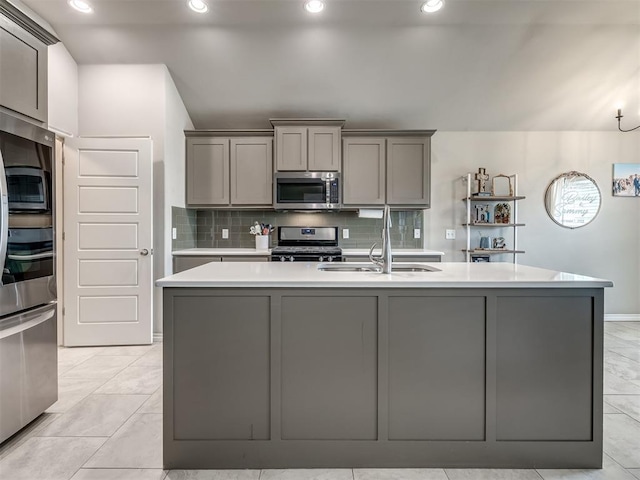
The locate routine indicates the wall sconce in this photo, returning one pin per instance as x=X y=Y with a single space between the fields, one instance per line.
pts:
x=619 y=116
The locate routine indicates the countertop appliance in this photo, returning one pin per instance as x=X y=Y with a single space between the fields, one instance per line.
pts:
x=28 y=343
x=307 y=191
x=307 y=244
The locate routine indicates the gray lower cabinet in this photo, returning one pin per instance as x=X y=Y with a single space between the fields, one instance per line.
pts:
x=386 y=170
x=246 y=258
x=397 y=258
x=225 y=172
x=182 y=263
x=432 y=377
x=23 y=71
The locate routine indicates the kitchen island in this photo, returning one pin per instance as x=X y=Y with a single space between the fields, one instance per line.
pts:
x=280 y=365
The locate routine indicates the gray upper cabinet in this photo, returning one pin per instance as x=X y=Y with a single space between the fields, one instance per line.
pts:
x=207 y=171
x=324 y=149
x=291 y=148
x=23 y=71
x=252 y=171
x=363 y=166
x=307 y=144
x=224 y=172
x=408 y=171
x=386 y=167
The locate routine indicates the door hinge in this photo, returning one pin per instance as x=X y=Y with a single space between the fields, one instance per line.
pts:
x=63 y=311
x=64 y=236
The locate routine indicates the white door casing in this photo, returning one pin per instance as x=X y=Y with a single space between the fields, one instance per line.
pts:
x=108 y=228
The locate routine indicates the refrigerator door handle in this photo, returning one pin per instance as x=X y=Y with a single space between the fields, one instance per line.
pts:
x=31 y=320
x=4 y=217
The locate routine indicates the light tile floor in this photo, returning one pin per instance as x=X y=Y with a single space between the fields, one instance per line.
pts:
x=107 y=425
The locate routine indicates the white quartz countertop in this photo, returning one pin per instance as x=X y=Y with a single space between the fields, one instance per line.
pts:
x=307 y=275
x=217 y=252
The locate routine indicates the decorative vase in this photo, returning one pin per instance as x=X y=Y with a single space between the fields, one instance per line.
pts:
x=262 y=242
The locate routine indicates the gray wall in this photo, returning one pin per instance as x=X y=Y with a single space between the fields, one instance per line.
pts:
x=608 y=248
x=142 y=101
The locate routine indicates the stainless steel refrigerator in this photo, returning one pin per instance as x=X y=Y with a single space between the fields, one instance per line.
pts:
x=28 y=343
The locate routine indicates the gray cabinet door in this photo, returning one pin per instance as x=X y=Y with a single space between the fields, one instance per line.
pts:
x=291 y=148
x=246 y=258
x=418 y=258
x=324 y=149
x=363 y=167
x=208 y=171
x=23 y=72
x=408 y=171
x=252 y=171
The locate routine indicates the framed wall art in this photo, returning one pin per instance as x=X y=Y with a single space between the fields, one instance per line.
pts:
x=626 y=180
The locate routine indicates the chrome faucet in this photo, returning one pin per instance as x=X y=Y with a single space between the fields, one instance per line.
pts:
x=386 y=259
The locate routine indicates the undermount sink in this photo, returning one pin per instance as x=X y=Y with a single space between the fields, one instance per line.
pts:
x=368 y=267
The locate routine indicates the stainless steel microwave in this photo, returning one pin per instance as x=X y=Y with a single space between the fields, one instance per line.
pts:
x=307 y=191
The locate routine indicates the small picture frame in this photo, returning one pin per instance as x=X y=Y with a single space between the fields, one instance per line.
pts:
x=502 y=213
x=482 y=214
x=501 y=186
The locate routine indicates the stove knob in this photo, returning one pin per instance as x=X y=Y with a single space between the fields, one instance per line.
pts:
x=321 y=258
x=291 y=258
x=330 y=259
x=282 y=259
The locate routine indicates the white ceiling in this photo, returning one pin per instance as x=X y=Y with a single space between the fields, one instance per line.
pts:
x=475 y=65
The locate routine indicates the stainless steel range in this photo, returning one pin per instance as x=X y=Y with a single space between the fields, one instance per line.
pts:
x=307 y=244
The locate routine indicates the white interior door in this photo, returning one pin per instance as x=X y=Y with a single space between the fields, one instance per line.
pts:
x=108 y=219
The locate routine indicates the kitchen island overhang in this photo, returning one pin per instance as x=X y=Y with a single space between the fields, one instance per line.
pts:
x=392 y=372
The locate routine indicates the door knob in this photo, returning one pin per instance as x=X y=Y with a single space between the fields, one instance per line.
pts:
x=144 y=252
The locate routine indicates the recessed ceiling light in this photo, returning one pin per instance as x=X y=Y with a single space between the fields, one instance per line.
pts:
x=81 y=6
x=314 y=6
x=431 y=6
x=198 y=6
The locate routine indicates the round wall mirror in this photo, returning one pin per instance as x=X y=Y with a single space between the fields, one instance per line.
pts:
x=572 y=199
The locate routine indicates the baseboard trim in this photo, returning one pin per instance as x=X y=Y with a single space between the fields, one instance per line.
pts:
x=157 y=337
x=622 y=317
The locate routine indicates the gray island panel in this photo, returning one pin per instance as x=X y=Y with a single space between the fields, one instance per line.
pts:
x=329 y=368
x=221 y=350
x=483 y=337
x=544 y=368
x=436 y=368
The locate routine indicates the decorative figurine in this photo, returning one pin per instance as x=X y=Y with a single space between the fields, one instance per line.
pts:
x=499 y=243
x=482 y=178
